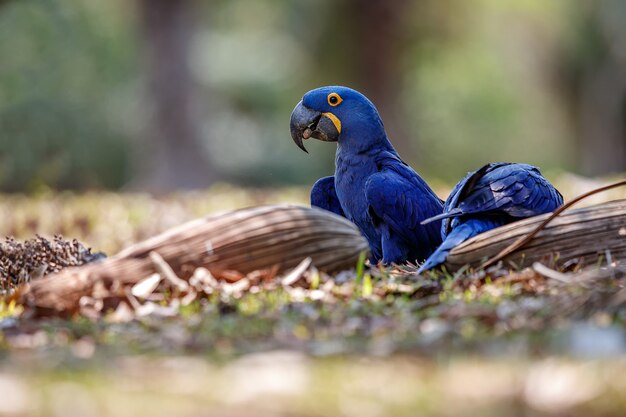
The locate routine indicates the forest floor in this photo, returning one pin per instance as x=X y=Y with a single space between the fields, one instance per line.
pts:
x=365 y=342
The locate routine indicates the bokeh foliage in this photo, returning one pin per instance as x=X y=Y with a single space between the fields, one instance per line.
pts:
x=477 y=81
x=66 y=75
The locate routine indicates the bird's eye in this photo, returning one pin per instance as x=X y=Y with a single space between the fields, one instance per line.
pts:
x=334 y=99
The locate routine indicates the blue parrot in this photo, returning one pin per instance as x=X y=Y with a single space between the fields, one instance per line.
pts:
x=372 y=186
x=493 y=196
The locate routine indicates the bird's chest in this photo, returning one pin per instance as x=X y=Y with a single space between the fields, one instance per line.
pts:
x=351 y=176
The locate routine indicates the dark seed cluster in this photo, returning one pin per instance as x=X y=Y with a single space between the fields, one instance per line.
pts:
x=21 y=262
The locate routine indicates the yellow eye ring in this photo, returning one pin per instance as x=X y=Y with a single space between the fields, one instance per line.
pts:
x=334 y=99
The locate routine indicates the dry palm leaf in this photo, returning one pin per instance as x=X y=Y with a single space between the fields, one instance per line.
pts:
x=231 y=245
x=576 y=235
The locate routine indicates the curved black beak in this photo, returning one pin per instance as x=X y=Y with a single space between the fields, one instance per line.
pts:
x=307 y=123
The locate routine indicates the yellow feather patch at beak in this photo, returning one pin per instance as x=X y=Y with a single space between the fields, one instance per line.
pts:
x=333 y=119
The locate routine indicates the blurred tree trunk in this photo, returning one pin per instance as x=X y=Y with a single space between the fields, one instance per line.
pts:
x=172 y=156
x=602 y=92
x=379 y=44
x=603 y=120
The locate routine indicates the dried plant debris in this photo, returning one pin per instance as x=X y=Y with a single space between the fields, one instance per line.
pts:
x=378 y=310
x=496 y=297
x=374 y=310
x=21 y=262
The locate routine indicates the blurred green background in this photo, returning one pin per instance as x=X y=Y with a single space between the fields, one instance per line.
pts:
x=169 y=94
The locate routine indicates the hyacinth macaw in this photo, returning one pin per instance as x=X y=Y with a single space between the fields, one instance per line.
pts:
x=372 y=186
x=495 y=195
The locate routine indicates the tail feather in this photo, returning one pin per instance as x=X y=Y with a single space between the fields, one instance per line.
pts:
x=437 y=258
x=458 y=235
x=452 y=213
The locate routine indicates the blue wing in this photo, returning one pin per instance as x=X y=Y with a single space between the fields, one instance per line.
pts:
x=323 y=195
x=398 y=200
x=516 y=190
x=494 y=195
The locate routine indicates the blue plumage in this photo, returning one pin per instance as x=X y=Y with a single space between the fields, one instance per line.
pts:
x=323 y=195
x=372 y=186
x=495 y=195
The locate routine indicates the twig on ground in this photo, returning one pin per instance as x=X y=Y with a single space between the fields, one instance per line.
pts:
x=167 y=272
x=541 y=269
x=293 y=277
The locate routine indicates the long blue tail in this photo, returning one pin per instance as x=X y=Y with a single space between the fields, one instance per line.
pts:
x=457 y=236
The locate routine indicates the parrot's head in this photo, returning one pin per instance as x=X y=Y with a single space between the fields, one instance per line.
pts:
x=337 y=114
